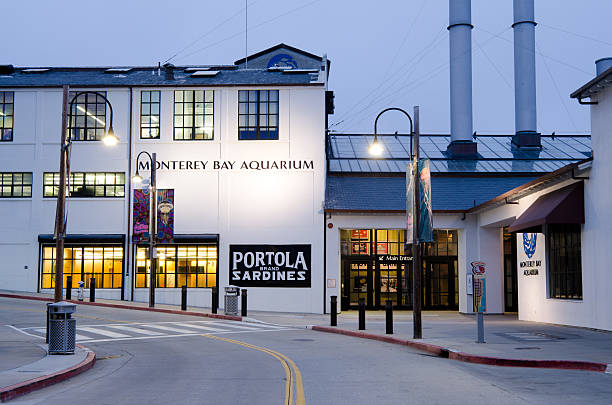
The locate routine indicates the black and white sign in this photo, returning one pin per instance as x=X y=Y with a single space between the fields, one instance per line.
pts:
x=531 y=251
x=393 y=259
x=270 y=265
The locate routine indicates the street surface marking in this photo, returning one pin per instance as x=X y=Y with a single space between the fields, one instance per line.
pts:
x=170 y=329
x=288 y=365
x=79 y=337
x=135 y=330
x=231 y=325
x=201 y=327
x=103 y=332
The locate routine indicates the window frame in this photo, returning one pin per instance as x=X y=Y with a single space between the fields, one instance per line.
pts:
x=4 y=116
x=564 y=277
x=193 y=116
x=257 y=114
x=13 y=185
x=97 y=103
x=54 y=185
x=150 y=103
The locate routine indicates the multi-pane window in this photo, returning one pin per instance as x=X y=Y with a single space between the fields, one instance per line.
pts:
x=564 y=262
x=15 y=185
x=149 y=114
x=179 y=265
x=87 y=120
x=102 y=262
x=258 y=114
x=94 y=184
x=193 y=114
x=6 y=115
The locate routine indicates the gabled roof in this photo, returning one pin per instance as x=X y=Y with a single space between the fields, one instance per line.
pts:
x=276 y=48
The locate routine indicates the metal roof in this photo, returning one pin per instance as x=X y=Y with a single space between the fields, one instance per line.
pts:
x=149 y=77
x=388 y=194
x=348 y=153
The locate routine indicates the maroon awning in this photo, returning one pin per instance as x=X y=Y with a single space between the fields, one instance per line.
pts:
x=563 y=206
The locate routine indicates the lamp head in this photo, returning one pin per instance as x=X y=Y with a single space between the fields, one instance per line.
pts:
x=137 y=178
x=110 y=139
x=375 y=149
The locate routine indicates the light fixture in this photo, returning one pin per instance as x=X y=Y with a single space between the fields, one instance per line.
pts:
x=137 y=178
x=110 y=139
x=375 y=149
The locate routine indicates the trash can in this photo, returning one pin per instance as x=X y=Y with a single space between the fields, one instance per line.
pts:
x=62 y=328
x=231 y=300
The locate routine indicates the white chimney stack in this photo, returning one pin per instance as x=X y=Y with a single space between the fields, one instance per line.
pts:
x=460 y=41
x=525 y=112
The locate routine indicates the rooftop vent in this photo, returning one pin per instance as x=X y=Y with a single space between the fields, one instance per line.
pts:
x=7 y=69
x=603 y=64
x=169 y=68
x=35 y=70
x=118 y=70
x=205 y=73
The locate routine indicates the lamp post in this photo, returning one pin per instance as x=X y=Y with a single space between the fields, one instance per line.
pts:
x=110 y=139
x=152 y=222
x=376 y=149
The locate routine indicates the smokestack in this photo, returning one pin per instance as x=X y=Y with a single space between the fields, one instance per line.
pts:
x=169 y=68
x=460 y=41
x=601 y=65
x=525 y=113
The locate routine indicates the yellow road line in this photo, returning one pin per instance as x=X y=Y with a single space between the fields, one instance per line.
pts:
x=287 y=364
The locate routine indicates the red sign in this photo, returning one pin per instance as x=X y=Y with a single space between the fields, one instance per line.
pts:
x=478 y=267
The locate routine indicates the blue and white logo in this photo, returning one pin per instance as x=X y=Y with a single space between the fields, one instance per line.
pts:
x=282 y=60
x=529 y=243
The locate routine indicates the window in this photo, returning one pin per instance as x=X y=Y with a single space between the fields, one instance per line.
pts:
x=179 y=265
x=258 y=114
x=87 y=120
x=103 y=262
x=149 y=114
x=193 y=114
x=15 y=185
x=87 y=184
x=6 y=115
x=564 y=262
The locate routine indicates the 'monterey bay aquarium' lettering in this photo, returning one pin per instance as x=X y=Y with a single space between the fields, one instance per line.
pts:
x=229 y=165
x=270 y=265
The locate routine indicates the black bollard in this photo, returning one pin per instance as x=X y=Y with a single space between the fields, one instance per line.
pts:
x=243 y=301
x=92 y=289
x=389 y=309
x=184 y=298
x=344 y=303
x=47 y=334
x=68 y=288
x=215 y=299
x=361 y=313
x=334 y=310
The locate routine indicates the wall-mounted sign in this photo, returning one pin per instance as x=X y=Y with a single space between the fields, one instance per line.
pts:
x=393 y=259
x=270 y=265
x=530 y=253
x=208 y=165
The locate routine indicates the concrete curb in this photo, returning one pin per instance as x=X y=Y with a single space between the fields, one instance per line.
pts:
x=443 y=352
x=25 y=387
x=122 y=306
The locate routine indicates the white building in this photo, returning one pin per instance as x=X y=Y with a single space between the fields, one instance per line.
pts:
x=242 y=148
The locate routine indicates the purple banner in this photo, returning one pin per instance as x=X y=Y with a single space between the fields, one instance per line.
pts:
x=165 y=216
x=140 y=215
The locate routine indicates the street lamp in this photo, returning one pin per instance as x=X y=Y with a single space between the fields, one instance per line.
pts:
x=137 y=178
x=110 y=139
x=376 y=149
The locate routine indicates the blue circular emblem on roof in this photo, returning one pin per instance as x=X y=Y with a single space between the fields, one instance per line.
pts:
x=282 y=60
x=529 y=243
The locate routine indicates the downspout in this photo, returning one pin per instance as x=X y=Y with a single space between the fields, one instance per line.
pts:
x=129 y=206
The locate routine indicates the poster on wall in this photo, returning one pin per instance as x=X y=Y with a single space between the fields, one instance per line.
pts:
x=530 y=255
x=165 y=216
x=270 y=266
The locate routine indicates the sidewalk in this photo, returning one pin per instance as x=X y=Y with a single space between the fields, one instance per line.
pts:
x=25 y=365
x=506 y=337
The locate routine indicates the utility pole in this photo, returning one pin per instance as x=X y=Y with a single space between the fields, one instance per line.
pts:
x=416 y=245
x=60 y=211
x=153 y=231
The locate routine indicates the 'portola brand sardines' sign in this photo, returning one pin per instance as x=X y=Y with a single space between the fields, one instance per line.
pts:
x=270 y=265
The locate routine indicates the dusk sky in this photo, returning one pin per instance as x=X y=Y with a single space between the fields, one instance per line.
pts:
x=384 y=53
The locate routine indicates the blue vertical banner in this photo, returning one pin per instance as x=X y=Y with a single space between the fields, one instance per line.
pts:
x=409 y=203
x=426 y=217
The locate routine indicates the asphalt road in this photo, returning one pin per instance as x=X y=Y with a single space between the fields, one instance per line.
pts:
x=151 y=358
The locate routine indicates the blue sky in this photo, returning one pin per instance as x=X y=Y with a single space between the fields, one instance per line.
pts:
x=383 y=53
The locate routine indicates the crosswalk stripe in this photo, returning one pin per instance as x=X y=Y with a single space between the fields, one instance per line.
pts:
x=136 y=330
x=168 y=328
x=208 y=328
x=77 y=337
x=102 y=332
x=231 y=325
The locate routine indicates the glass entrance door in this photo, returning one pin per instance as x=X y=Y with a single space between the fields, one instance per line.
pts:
x=389 y=284
x=360 y=282
x=439 y=284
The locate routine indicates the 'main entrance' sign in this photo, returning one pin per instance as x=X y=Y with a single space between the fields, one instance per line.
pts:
x=270 y=265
